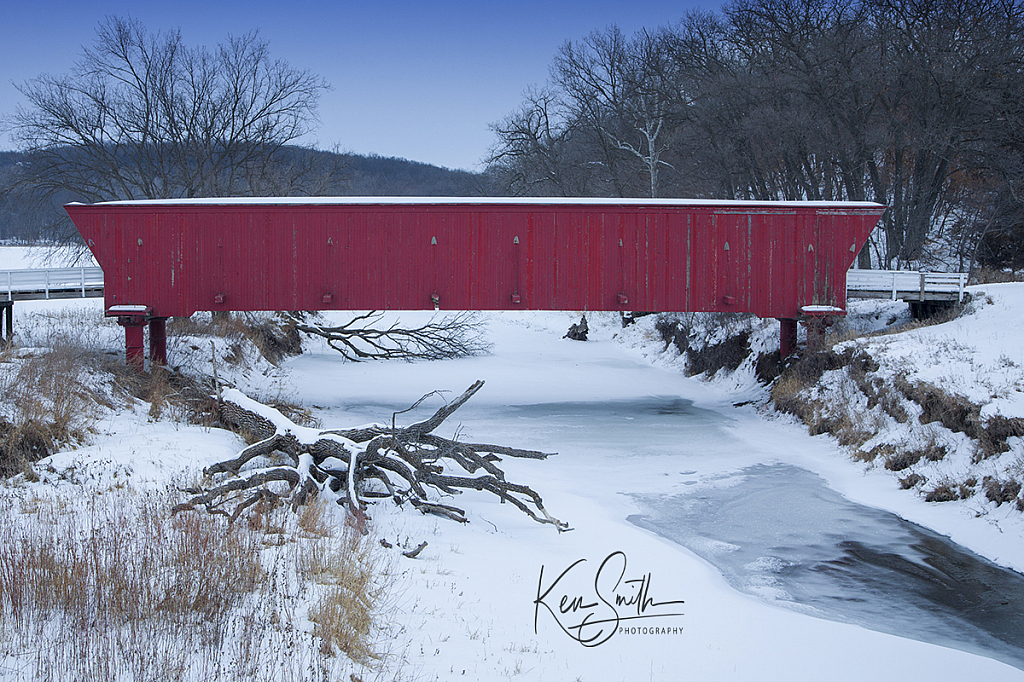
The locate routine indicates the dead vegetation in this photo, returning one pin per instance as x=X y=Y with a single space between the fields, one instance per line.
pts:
x=123 y=589
x=960 y=415
x=119 y=588
x=792 y=393
x=53 y=391
x=274 y=335
x=944 y=492
x=873 y=399
x=851 y=423
x=48 y=403
x=52 y=398
x=857 y=402
x=369 y=336
x=1002 y=491
x=911 y=480
x=710 y=341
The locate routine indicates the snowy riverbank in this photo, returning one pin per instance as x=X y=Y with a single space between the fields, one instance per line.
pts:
x=484 y=601
x=931 y=414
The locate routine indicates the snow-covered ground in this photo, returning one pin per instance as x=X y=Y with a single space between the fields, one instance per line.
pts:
x=18 y=257
x=498 y=598
x=25 y=257
x=689 y=436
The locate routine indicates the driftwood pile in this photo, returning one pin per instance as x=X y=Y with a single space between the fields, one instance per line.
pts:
x=291 y=464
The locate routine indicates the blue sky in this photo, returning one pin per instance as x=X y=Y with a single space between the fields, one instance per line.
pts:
x=419 y=80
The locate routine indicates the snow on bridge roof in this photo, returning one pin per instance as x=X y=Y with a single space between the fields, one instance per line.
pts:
x=483 y=201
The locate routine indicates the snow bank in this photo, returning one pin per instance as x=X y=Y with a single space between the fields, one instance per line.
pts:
x=928 y=414
x=474 y=604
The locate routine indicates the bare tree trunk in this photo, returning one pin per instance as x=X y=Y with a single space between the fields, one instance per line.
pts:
x=407 y=464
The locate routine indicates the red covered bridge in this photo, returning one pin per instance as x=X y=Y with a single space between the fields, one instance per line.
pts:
x=175 y=257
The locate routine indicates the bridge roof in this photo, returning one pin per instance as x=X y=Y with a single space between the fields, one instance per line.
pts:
x=484 y=201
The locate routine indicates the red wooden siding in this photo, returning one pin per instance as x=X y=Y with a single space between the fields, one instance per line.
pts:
x=765 y=258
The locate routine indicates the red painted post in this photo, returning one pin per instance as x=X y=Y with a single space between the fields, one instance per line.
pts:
x=787 y=337
x=158 y=340
x=133 y=342
x=133 y=318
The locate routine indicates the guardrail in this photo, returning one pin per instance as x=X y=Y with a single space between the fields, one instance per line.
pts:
x=907 y=285
x=84 y=282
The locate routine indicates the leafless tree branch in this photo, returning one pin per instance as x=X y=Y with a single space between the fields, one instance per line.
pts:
x=406 y=464
x=451 y=336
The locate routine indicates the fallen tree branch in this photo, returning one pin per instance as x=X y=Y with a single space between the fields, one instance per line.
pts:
x=451 y=336
x=406 y=464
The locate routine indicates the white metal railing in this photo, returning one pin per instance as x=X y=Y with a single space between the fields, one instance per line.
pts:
x=905 y=284
x=52 y=280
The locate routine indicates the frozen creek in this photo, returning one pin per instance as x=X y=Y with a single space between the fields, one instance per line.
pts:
x=779 y=532
x=665 y=455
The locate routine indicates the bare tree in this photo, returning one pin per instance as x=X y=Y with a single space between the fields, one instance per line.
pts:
x=540 y=153
x=624 y=91
x=912 y=104
x=144 y=116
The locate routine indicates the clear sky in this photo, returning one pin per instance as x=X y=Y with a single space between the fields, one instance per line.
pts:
x=418 y=80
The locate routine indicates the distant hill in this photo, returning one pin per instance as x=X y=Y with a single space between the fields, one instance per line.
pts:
x=21 y=220
x=389 y=176
x=359 y=176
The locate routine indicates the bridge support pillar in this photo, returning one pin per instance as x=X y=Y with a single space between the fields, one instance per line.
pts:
x=817 y=319
x=134 y=334
x=787 y=337
x=158 y=340
x=6 y=323
x=133 y=318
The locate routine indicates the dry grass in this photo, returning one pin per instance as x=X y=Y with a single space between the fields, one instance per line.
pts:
x=791 y=392
x=51 y=397
x=343 y=615
x=119 y=589
x=944 y=492
x=960 y=415
x=1001 y=491
x=124 y=581
x=274 y=335
x=314 y=520
x=49 y=401
x=883 y=449
x=846 y=419
x=951 y=490
x=108 y=585
x=710 y=341
x=728 y=354
x=352 y=575
x=911 y=480
x=902 y=459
